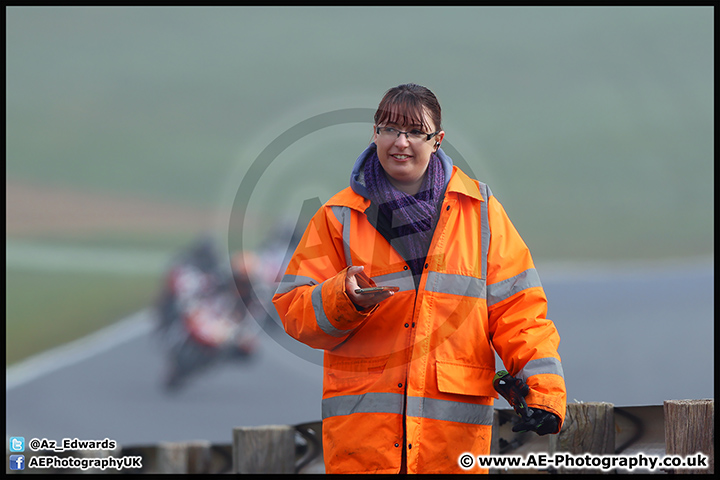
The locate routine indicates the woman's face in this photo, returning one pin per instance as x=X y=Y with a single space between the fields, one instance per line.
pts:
x=405 y=160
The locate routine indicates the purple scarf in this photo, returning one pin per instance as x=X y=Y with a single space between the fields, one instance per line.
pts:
x=412 y=217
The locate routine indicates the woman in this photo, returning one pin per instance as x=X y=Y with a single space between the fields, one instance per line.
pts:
x=408 y=375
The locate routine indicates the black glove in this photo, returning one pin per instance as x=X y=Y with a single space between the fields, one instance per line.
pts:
x=541 y=422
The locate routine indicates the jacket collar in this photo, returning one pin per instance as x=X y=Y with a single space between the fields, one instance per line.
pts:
x=461 y=183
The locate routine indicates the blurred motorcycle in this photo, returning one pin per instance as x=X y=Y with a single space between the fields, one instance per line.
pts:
x=203 y=314
x=210 y=312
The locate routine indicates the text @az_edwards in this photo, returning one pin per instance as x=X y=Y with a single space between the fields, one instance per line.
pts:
x=37 y=444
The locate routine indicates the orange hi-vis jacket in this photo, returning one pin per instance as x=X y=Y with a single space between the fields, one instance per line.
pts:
x=411 y=379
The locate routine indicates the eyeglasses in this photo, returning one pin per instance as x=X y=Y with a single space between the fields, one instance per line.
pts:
x=413 y=136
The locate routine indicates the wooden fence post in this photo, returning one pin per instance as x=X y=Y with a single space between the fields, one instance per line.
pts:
x=588 y=428
x=199 y=457
x=184 y=457
x=689 y=429
x=266 y=449
x=171 y=458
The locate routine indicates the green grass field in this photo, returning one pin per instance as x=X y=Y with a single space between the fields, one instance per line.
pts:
x=45 y=310
x=593 y=126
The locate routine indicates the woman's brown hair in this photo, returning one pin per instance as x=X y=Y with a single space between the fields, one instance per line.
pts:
x=406 y=105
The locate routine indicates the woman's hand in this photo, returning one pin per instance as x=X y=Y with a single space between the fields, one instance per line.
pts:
x=362 y=301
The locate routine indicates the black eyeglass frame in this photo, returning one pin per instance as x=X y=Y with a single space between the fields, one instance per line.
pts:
x=429 y=135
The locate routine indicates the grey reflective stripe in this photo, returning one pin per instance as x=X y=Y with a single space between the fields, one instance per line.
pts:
x=484 y=229
x=343 y=216
x=450 y=411
x=367 y=403
x=455 y=284
x=417 y=407
x=541 y=365
x=322 y=320
x=290 y=282
x=498 y=292
x=402 y=279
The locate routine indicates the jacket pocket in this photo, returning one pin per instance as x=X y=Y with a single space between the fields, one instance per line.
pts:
x=463 y=379
x=353 y=377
